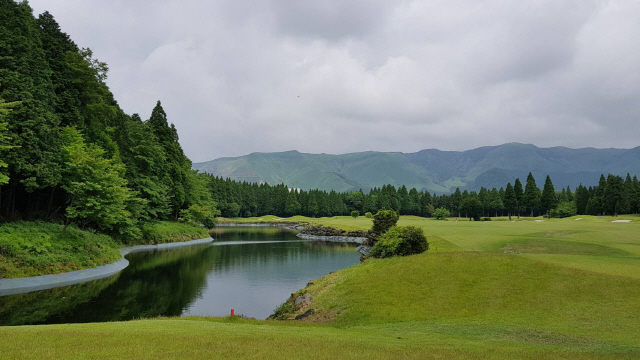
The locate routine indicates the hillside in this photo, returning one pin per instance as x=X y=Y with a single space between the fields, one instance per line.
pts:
x=433 y=170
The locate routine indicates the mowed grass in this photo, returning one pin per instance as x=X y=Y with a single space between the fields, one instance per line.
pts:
x=224 y=339
x=554 y=289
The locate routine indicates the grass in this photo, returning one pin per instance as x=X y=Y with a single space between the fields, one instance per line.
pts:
x=160 y=232
x=557 y=289
x=38 y=248
x=225 y=339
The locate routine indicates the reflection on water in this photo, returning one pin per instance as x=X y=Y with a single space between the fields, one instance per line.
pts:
x=251 y=270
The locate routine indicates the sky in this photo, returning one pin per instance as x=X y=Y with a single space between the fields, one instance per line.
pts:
x=337 y=76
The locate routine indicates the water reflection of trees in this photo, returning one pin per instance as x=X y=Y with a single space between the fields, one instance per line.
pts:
x=165 y=283
x=164 y=289
x=37 y=307
x=253 y=234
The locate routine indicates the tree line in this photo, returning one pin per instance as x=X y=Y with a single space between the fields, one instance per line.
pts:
x=614 y=195
x=68 y=152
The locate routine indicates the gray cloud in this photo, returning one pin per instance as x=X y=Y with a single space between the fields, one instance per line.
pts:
x=334 y=76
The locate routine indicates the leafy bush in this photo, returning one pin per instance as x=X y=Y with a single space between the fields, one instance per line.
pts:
x=441 y=214
x=403 y=240
x=355 y=214
x=383 y=220
x=564 y=209
x=200 y=214
x=368 y=215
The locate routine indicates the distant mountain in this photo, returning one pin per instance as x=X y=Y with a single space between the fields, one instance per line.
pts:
x=432 y=170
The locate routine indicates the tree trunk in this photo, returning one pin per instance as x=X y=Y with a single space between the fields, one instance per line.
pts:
x=53 y=191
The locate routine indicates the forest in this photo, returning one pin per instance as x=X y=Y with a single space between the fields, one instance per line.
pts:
x=612 y=196
x=69 y=153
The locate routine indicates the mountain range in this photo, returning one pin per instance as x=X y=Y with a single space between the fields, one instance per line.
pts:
x=428 y=170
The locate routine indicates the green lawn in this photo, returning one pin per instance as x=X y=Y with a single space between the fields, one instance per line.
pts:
x=554 y=289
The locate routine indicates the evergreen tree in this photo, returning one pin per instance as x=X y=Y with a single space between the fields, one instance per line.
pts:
x=598 y=197
x=615 y=201
x=292 y=206
x=485 y=200
x=630 y=193
x=570 y=196
x=510 y=200
x=517 y=188
x=531 y=193
x=636 y=198
x=582 y=199
x=177 y=165
x=4 y=139
x=495 y=202
x=33 y=127
x=456 y=201
x=548 y=199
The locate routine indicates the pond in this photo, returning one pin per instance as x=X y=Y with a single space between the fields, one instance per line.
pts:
x=250 y=270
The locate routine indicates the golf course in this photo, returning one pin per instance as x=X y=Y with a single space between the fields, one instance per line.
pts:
x=530 y=288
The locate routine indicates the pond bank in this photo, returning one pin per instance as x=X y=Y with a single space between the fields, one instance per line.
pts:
x=28 y=284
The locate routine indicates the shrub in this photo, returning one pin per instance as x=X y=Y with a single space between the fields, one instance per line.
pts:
x=404 y=240
x=383 y=220
x=564 y=209
x=441 y=214
x=368 y=215
x=355 y=214
x=200 y=214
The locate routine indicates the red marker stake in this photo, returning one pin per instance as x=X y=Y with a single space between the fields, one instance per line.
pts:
x=231 y=312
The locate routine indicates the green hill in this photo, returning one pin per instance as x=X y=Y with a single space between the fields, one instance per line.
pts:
x=432 y=170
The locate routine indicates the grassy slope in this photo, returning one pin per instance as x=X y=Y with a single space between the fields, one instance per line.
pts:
x=37 y=248
x=553 y=289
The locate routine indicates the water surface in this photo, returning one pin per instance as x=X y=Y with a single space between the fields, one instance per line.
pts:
x=251 y=270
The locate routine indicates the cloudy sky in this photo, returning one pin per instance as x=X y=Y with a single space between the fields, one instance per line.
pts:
x=339 y=76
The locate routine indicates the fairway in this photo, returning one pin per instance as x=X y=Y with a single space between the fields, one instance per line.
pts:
x=554 y=289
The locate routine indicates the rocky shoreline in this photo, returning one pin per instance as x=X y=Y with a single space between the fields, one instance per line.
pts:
x=342 y=239
x=312 y=232
x=325 y=233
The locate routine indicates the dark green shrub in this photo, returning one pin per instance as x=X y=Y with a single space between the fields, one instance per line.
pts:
x=402 y=241
x=486 y=219
x=355 y=214
x=368 y=215
x=383 y=220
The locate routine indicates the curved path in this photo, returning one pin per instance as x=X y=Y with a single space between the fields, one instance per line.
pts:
x=43 y=282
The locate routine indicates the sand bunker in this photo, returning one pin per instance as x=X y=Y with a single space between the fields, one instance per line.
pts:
x=539 y=220
x=578 y=219
x=621 y=221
